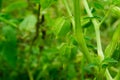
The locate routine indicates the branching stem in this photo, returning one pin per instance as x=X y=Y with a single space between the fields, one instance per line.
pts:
x=97 y=31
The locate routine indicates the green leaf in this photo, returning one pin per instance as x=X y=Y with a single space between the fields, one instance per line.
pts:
x=0 y=5
x=116 y=53
x=46 y=3
x=35 y=1
x=116 y=2
x=115 y=11
x=73 y=40
x=71 y=72
x=89 y=68
x=98 y=5
x=113 y=44
x=28 y=24
x=1 y=47
x=10 y=45
x=61 y=27
x=108 y=61
x=58 y=25
x=17 y=5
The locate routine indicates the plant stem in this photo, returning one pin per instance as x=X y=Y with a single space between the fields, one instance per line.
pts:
x=96 y=24
x=97 y=31
x=78 y=31
x=108 y=76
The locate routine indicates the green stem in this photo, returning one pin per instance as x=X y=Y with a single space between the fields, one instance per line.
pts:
x=97 y=31
x=78 y=31
x=117 y=77
x=108 y=76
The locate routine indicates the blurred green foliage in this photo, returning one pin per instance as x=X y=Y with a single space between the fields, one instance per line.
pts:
x=51 y=52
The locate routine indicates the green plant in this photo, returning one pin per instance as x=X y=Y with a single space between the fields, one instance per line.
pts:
x=60 y=40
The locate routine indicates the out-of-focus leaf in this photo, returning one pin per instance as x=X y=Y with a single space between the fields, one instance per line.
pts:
x=74 y=42
x=116 y=2
x=46 y=3
x=115 y=11
x=1 y=47
x=85 y=23
x=35 y=1
x=89 y=68
x=116 y=53
x=0 y=5
x=28 y=24
x=10 y=45
x=108 y=61
x=98 y=5
x=17 y=5
x=113 y=44
x=2 y=19
x=61 y=27
x=71 y=72
x=58 y=25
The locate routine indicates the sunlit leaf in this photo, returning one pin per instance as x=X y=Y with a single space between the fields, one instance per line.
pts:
x=28 y=24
